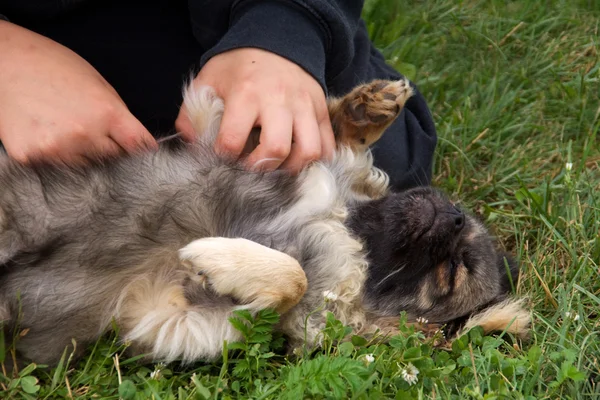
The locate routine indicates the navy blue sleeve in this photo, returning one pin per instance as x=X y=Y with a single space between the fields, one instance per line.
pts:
x=315 y=34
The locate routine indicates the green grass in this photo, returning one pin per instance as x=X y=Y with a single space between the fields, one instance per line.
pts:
x=514 y=89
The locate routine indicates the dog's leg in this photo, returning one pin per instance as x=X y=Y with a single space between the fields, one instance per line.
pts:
x=361 y=117
x=253 y=274
x=158 y=316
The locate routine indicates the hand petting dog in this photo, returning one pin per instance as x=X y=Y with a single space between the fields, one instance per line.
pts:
x=260 y=88
x=55 y=107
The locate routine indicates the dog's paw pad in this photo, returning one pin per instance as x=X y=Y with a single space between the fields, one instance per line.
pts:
x=378 y=102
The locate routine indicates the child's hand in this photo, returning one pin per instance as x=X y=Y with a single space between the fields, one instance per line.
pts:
x=260 y=88
x=56 y=107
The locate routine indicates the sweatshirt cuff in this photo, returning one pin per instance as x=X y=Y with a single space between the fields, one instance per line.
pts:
x=280 y=28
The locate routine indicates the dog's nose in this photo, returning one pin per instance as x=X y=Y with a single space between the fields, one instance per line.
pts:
x=459 y=218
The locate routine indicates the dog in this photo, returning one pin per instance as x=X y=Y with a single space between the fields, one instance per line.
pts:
x=168 y=244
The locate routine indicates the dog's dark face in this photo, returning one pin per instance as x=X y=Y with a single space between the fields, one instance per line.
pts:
x=428 y=258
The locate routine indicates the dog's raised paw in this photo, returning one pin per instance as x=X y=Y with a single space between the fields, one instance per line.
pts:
x=377 y=103
x=361 y=117
x=257 y=276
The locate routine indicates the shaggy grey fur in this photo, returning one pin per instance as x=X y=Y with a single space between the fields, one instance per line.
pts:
x=73 y=240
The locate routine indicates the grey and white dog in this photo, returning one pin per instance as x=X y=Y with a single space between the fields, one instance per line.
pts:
x=168 y=244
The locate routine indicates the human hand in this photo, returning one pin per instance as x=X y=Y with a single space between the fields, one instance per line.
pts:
x=260 y=88
x=55 y=107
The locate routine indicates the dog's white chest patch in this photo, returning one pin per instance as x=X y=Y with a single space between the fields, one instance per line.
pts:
x=318 y=192
x=317 y=195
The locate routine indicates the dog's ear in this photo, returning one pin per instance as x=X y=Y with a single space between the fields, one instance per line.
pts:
x=503 y=312
x=361 y=117
x=509 y=272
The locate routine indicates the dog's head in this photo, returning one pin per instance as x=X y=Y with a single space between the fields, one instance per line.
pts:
x=429 y=258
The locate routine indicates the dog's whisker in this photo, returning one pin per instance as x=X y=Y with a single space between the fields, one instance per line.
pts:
x=390 y=275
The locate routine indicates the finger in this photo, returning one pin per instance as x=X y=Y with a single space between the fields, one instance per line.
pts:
x=239 y=117
x=275 y=139
x=307 y=145
x=184 y=125
x=86 y=149
x=328 y=144
x=17 y=152
x=105 y=148
x=55 y=149
x=130 y=134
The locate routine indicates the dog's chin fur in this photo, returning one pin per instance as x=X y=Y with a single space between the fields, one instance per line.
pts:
x=169 y=244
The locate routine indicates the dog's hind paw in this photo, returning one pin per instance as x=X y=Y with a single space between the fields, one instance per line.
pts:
x=257 y=276
x=361 y=117
x=376 y=103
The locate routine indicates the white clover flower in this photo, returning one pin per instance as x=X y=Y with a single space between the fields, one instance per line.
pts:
x=422 y=320
x=572 y=315
x=329 y=295
x=569 y=166
x=155 y=374
x=369 y=358
x=298 y=351
x=409 y=374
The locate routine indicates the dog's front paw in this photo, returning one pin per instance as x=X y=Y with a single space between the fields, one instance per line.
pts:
x=377 y=103
x=361 y=117
x=255 y=275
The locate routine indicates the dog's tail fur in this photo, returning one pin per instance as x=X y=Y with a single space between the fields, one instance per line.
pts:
x=508 y=315
x=205 y=110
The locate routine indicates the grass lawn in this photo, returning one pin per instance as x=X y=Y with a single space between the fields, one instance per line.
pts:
x=514 y=89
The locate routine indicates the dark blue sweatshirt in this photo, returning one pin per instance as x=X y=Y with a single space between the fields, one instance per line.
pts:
x=327 y=38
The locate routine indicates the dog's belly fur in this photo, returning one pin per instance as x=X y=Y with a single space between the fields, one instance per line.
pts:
x=104 y=242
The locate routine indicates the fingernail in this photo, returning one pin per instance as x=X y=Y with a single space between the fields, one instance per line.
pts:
x=263 y=164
